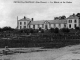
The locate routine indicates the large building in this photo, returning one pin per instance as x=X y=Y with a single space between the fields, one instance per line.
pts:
x=71 y=22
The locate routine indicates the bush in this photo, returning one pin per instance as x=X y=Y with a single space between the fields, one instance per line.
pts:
x=65 y=30
x=77 y=28
x=7 y=29
x=41 y=30
x=56 y=30
x=51 y=30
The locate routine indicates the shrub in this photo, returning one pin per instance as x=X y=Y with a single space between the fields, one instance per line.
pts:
x=77 y=28
x=51 y=30
x=56 y=30
x=65 y=30
x=7 y=29
x=41 y=30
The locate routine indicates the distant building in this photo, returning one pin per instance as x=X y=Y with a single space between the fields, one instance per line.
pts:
x=71 y=22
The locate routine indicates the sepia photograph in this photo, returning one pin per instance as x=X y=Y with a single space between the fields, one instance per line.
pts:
x=39 y=29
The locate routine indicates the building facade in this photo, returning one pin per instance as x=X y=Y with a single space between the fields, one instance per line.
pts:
x=73 y=21
x=70 y=22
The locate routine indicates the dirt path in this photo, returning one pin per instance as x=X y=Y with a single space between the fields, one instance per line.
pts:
x=66 y=53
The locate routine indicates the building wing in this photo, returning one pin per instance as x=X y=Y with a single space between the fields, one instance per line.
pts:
x=50 y=21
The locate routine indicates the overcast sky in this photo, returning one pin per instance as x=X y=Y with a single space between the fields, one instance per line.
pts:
x=39 y=11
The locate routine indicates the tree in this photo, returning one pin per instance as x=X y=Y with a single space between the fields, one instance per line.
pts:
x=31 y=30
x=63 y=17
x=77 y=28
x=7 y=29
x=65 y=30
x=41 y=30
x=56 y=30
x=78 y=15
x=0 y=29
x=55 y=18
x=60 y=17
x=51 y=30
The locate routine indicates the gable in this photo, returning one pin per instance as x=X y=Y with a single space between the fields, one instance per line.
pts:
x=46 y=22
x=25 y=19
x=73 y=17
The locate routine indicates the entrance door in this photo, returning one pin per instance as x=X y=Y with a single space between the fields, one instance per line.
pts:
x=46 y=24
x=46 y=27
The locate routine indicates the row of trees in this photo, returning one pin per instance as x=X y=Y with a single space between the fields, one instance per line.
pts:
x=64 y=17
x=60 y=17
x=6 y=29
x=40 y=30
x=43 y=40
x=56 y=30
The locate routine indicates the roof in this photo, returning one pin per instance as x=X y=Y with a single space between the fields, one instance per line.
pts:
x=57 y=21
x=25 y=19
x=50 y=21
x=73 y=17
x=37 y=22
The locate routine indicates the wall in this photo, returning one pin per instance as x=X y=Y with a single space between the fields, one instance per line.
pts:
x=22 y=24
x=72 y=24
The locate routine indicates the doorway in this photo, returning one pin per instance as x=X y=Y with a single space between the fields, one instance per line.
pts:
x=46 y=27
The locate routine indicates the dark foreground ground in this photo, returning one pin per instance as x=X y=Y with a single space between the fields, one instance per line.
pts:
x=40 y=40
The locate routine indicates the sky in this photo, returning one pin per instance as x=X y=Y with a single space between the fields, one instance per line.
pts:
x=10 y=9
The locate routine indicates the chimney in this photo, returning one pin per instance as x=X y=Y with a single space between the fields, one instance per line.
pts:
x=32 y=19
x=24 y=17
x=73 y=14
x=17 y=22
x=17 y=18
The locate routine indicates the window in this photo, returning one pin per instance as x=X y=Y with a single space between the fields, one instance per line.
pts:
x=75 y=21
x=70 y=21
x=46 y=27
x=59 y=25
x=49 y=25
x=42 y=25
x=24 y=23
x=54 y=25
x=34 y=26
x=75 y=25
x=17 y=26
x=64 y=25
x=20 y=27
x=20 y=23
x=29 y=26
x=69 y=25
x=24 y=27
x=38 y=25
